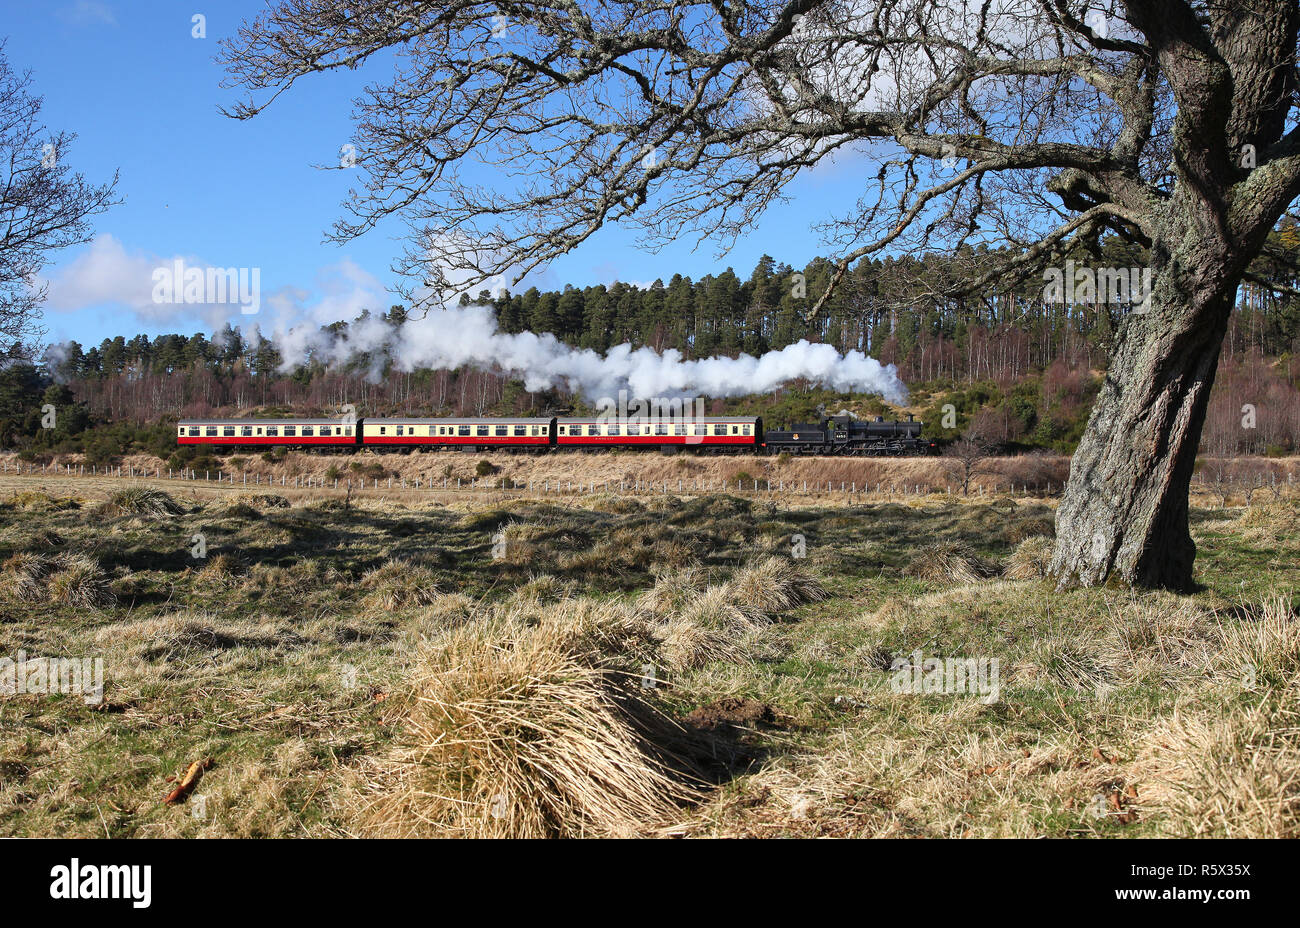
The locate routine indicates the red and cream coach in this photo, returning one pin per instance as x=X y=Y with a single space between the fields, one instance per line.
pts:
x=738 y=434
x=267 y=432
x=459 y=433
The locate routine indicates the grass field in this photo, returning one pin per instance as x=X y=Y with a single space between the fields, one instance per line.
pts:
x=423 y=663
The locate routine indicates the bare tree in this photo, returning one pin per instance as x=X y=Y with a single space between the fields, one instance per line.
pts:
x=967 y=458
x=1219 y=471
x=1039 y=123
x=1252 y=475
x=43 y=205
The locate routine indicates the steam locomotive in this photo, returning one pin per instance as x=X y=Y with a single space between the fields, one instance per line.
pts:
x=833 y=435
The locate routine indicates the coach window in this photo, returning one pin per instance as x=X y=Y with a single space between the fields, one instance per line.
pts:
x=521 y=431
x=194 y=433
x=502 y=431
x=324 y=431
x=400 y=431
x=290 y=431
x=480 y=431
x=679 y=428
x=272 y=431
x=259 y=431
x=719 y=429
x=227 y=431
x=308 y=431
x=744 y=430
x=246 y=431
x=210 y=431
x=735 y=430
x=661 y=428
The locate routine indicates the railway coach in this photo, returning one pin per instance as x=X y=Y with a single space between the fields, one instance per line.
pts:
x=305 y=432
x=669 y=434
x=460 y=434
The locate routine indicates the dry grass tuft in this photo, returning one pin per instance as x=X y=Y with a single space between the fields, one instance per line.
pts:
x=775 y=584
x=709 y=629
x=948 y=562
x=78 y=580
x=34 y=501
x=397 y=584
x=222 y=570
x=671 y=590
x=1235 y=771
x=260 y=501
x=1030 y=560
x=1263 y=650
x=24 y=576
x=71 y=578
x=697 y=624
x=141 y=501
x=524 y=731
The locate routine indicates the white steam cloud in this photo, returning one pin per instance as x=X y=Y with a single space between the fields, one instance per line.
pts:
x=446 y=339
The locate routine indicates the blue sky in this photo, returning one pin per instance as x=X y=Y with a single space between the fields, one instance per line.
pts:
x=142 y=95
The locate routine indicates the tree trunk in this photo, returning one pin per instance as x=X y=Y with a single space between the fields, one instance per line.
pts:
x=1124 y=512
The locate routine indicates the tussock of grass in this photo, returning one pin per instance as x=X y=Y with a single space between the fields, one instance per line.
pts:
x=272 y=581
x=523 y=731
x=1264 y=649
x=948 y=562
x=671 y=590
x=397 y=584
x=709 y=629
x=33 y=501
x=546 y=588
x=1030 y=560
x=774 y=585
x=70 y=578
x=260 y=501
x=698 y=624
x=78 y=580
x=24 y=576
x=223 y=569
x=1235 y=774
x=142 y=501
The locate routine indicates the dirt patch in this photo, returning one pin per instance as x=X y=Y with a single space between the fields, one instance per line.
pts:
x=731 y=712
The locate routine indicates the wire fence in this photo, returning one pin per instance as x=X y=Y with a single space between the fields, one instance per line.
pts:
x=1219 y=486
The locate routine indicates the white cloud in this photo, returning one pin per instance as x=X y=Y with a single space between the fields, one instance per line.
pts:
x=88 y=13
x=106 y=273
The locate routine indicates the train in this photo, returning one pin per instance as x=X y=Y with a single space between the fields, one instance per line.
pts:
x=830 y=436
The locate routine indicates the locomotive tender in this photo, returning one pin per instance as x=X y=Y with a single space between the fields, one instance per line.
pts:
x=836 y=435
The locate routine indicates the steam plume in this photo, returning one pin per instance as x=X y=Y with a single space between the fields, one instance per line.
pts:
x=468 y=336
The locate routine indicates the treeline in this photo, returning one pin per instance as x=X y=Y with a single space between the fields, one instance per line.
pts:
x=1018 y=365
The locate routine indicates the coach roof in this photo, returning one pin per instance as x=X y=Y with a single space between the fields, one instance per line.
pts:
x=338 y=421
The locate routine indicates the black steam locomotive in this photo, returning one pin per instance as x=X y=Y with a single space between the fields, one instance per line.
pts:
x=836 y=435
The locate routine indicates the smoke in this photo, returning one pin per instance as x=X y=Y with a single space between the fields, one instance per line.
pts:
x=467 y=336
